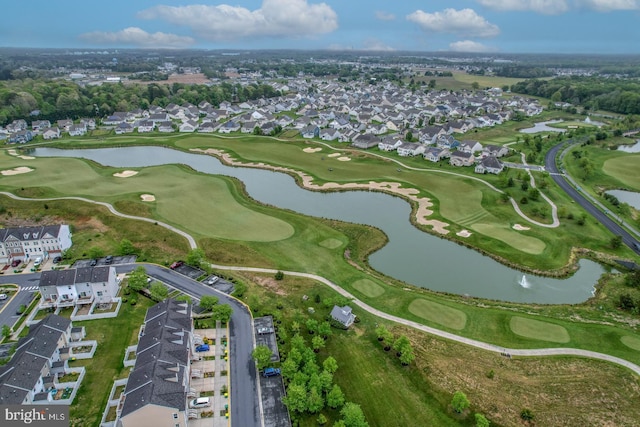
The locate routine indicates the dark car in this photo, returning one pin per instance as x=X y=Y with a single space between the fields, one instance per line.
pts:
x=176 y=265
x=15 y=262
x=93 y=262
x=57 y=259
x=108 y=259
x=271 y=372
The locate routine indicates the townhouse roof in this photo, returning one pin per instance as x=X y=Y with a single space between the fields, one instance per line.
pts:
x=72 y=276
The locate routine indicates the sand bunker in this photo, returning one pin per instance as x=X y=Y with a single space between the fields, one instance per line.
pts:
x=463 y=233
x=312 y=150
x=520 y=227
x=344 y=159
x=16 y=171
x=125 y=174
x=13 y=152
x=148 y=197
x=423 y=203
x=26 y=157
x=334 y=155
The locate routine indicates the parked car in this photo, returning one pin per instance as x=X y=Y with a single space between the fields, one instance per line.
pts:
x=15 y=262
x=202 y=347
x=93 y=262
x=271 y=372
x=176 y=265
x=3 y=297
x=37 y=261
x=108 y=259
x=57 y=259
x=265 y=330
x=200 y=402
x=212 y=280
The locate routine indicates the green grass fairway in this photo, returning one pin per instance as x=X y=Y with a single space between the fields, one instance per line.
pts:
x=528 y=244
x=624 y=169
x=331 y=243
x=438 y=313
x=631 y=342
x=368 y=287
x=538 y=330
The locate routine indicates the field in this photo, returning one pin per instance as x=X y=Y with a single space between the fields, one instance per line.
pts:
x=619 y=168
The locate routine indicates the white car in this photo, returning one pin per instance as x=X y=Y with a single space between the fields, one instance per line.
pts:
x=3 y=297
x=200 y=402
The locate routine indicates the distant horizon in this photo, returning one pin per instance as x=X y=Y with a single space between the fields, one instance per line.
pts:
x=470 y=26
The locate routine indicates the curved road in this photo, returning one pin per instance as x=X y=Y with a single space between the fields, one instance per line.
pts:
x=561 y=180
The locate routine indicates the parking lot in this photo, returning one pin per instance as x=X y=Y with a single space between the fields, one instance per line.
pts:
x=126 y=259
x=219 y=284
x=189 y=271
x=271 y=388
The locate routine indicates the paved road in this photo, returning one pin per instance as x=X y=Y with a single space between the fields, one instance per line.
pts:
x=8 y=308
x=464 y=340
x=613 y=226
x=245 y=403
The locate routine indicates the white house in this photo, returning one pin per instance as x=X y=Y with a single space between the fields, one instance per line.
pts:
x=410 y=149
x=435 y=154
x=329 y=134
x=23 y=243
x=85 y=285
x=489 y=165
x=470 y=146
x=460 y=158
x=51 y=133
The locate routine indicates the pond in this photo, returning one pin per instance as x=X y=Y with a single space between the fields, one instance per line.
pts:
x=542 y=127
x=631 y=198
x=413 y=256
x=635 y=148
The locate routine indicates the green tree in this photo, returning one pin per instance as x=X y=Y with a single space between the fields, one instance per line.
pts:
x=524 y=186
x=207 y=302
x=222 y=312
x=279 y=275
x=95 y=252
x=401 y=344
x=409 y=136
x=335 y=398
x=315 y=401
x=384 y=334
x=159 y=292
x=407 y=356
x=459 y=402
x=633 y=279
x=326 y=381
x=482 y=421
x=288 y=368
x=296 y=398
x=195 y=257
x=322 y=420
x=526 y=414
x=475 y=85
x=262 y=355
x=616 y=242
x=317 y=343
x=324 y=329
x=137 y=279
x=353 y=416
x=312 y=325
x=126 y=247
x=330 y=365
x=6 y=331
x=534 y=193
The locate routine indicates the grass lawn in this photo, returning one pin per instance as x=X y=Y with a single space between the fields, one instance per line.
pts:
x=113 y=336
x=438 y=313
x=538 y=330
x=631 y=342
x=368 y=287
x=619 y=168
x=530 y=245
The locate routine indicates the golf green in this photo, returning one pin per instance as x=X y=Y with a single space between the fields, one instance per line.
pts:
x=527 y=244
x=438 y=313
x=368 y=288
x=537 y=330
x=631 y=342
x=331 y=243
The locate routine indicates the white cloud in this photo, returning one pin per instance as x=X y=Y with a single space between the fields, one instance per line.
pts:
x=553 y=7
x=611 y=5
x=464 y=22
x=135 y=36
x=385 y=16
x=548 y=7
x=470 y=46
x=376 y=45
x=276 y=18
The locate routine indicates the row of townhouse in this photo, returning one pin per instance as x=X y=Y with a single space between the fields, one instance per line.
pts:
x=78 y=286
x=24 y=243
x=39 y=360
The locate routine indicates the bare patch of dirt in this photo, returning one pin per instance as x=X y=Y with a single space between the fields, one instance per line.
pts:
x=270 y=283
x=91 y=223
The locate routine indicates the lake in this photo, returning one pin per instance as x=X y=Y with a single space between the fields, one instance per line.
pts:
x=413 y=256
x=542 y=127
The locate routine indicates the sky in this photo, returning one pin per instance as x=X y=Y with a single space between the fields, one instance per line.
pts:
x=491 y=26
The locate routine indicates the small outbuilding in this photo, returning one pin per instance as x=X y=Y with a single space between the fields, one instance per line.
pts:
x=343 y=315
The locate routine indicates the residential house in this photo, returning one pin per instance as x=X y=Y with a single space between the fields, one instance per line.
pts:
x=157 y=118
x=495 y=151
x=435 y=154
x=343 y=316
x=469 y=146
x=207 y=127
x=20 y=137
x=489 y=164
x=248 y=127
x=460 y=158
x=390 y=143
x=77 y=130
x=310 y=131
x=23 y=243
x=365 y=141
x=39 y=358
x=188 y=126
x=145 y=126
x=268 y=128
x=51 y=133
x=159 y=385
x=329 y=134
x=165 y=127
x=124 y=127
x=447 y=141
x=112 y=120
x=79 y=286
x=17 y=126
x=228 y=127
x=39 y=125
x=410 y=149
x=89 y=123
x=65 y=124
